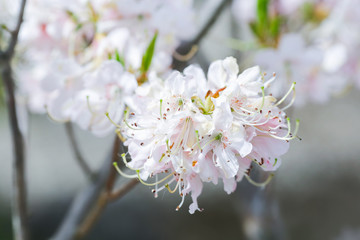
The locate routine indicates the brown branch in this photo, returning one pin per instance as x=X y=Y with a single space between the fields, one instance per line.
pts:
x=88 y=202
x=186 y=46
x=19 y=203
x=78 y=156
x=119 y=193
x=105 y=197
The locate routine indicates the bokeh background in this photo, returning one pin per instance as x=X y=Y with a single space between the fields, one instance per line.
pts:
x=315 y=194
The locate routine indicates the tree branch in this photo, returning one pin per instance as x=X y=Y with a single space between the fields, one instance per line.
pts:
x=83 y=205
x=80 y=160
x=15 y=33
x=123 y=190
x=186 y=46
x=106 y=196
x=19 y=206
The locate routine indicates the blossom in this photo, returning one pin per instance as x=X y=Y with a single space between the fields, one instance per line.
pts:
x=294 y=61
x=69 y=47
x=194 y=130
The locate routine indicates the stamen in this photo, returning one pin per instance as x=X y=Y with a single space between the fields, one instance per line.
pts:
x=122 y=173
x=161 y=101
x=89 y=107
x=291 y=102
x=263 y=98
x=169 y=189
x=292 y=88
x=54 y=118
x=127 y=164
x=152 y=184
x=118 y=132
x=162 y=156
x=197 y=139
x=275 y=162
x=127 y=124
x=182 y=201
x=267 y=181
x=167 y=145
x=116 y=125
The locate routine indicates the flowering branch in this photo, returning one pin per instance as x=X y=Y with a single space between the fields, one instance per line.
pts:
x=188 y=46
x=20 y=220
x=80 y=159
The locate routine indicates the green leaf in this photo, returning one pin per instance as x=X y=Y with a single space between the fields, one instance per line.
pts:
x=148 y=55
x=275 y=27
x=262 y=14
x=118 y=58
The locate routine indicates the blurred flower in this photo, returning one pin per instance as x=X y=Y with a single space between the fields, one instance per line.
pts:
x=67 y=46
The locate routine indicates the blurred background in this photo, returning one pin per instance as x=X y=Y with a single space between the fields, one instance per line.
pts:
x=315 y=193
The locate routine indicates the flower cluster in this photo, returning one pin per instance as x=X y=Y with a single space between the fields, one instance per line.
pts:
x=194 y=130
x=86 y=58
x=310 y=42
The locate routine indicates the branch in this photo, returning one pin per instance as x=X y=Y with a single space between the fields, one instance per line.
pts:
x=123 y=190
x=106 y=196
x=80 y=160
x=88 y=199
x=15 y=33
x=19 y=206
x=186 y=46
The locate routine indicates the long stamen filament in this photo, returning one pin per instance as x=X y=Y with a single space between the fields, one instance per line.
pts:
x=291 y=102
x=263 y=184
x=121 y=137
x=54 y=118
x=286 y=95
x=197 y=139
x=122 y=173
x=263 y=98
x=169 y=189
x=89 y=106
x=152 y=184
x=123 y=156
x=161 y=101
x=116 y=125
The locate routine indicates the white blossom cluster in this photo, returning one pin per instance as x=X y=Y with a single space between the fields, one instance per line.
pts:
x=196 y=130
x=86 y=57
x=311 y=42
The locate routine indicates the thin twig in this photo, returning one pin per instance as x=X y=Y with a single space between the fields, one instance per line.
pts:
x=103 y=200
x=80 y=159
x=186 y=46
x=123 y=190
x=88 y=200
x=19 y=204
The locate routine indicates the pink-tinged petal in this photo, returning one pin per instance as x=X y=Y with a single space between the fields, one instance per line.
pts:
x=226 y=161
x=229 y=185
x=222 y=116
x=244 y=148
x=197 y=80
x=269 y=147
x=196 y=187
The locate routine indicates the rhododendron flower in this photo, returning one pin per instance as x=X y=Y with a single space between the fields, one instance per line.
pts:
x=293 y=61
x=196 y=130
x=69 y=46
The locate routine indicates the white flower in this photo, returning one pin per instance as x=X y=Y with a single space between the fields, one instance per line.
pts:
x=192 y=131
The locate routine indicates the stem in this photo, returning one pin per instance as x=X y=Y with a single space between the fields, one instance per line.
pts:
x=186 y=46
x=123 y=190
x=89 y=204
x=105 y=197
x=80 y=159
x=19 y=206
